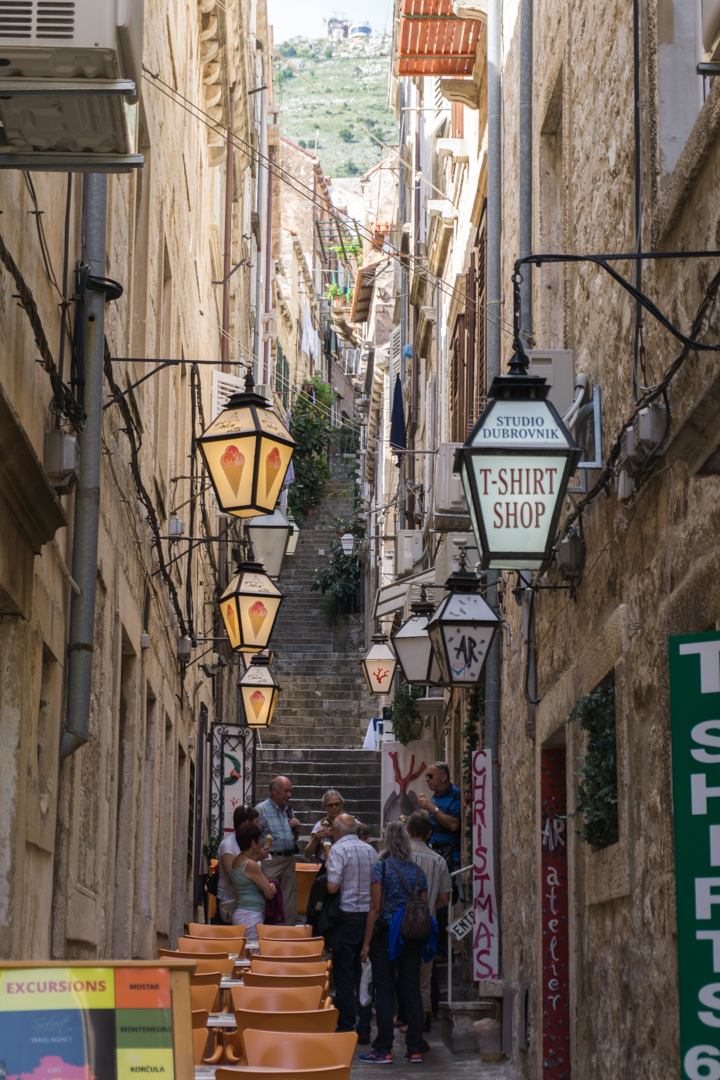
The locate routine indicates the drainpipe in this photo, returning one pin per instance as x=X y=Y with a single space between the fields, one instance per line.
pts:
x=227 y=256
x=402 y=200
x=87 y=493
x=526 y=151
x=258 y=259
x=268 y=260
x=494 y=353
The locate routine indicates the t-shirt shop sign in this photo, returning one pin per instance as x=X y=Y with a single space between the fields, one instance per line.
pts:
x=86 y=1024
x=695 y=723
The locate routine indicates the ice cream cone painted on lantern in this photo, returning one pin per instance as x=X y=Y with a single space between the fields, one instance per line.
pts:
x=272 y=468
x=258 y=615
x=257 y=700
x=233 y=463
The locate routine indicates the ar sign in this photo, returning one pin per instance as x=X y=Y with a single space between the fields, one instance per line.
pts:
x=695 y=717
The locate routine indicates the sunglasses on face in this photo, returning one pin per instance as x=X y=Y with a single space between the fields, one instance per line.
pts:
x=430 y=775
x=332 y=805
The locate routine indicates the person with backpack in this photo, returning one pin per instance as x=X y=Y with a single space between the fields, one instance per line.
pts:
x=398 y=927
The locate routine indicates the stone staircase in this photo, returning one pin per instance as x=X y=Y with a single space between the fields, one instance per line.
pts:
x=323 y=710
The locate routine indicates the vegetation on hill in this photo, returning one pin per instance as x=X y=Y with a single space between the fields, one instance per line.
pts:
x=353 y=74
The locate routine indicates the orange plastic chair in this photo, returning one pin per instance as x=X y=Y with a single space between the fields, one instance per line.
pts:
x=335 y=1072
x=204 y=964
x=313 y=948
x=206 y=978
x=288 y=967
x=210 y=945
x=204 y=997
x=301 y=1050
x=283 y=933
x=186 y=954
x=200 y=1018
x=205 y=930
x=200 y=1040
x=291 y=959
x=251 y=978
x=317 y=1021
x=278 y=999
x=305 y=874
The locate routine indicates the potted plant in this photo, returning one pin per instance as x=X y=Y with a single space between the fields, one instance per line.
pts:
x=334 y=294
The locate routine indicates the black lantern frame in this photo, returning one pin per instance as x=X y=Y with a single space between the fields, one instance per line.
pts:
x=379 y=664
x=412 y=634
x=462 y=631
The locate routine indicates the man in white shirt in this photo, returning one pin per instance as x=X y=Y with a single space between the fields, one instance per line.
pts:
x=419 y=827
x=227 y=851
x=349 y=865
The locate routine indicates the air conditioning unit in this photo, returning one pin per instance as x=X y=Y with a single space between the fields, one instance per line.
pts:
x=447 y=558
x=69 y=40
x=450 y=508
x=557 y=366
x=409 y=544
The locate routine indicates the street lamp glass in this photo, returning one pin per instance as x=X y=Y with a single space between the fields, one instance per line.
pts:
x=249 y=607
x=515 y=468
x=379 y=665
x=247 y=451
x=294 y=535
x=414 y=648
x=348 y=543
x=461 y=632
x=259 y=690
x=269 y=535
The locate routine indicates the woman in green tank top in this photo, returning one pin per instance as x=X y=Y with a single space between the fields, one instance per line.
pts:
x=251 y=886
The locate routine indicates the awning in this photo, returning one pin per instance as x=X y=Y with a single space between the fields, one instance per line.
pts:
x=391 y=598
x=364 y=285
x=434 y=41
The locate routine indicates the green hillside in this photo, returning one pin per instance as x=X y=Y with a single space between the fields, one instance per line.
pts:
x=354 y=75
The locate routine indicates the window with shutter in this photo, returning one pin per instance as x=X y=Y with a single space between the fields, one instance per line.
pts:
x=223 y=387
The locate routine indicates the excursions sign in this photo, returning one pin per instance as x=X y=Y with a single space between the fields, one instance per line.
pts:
x=515 y=467
x=695 y=721
x=86 y=1023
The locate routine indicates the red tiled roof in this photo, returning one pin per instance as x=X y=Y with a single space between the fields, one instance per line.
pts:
x=434 y=41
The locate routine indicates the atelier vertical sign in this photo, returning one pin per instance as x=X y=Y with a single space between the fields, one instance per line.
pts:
x=695 y=721
x=486 y=929
x=555 y=983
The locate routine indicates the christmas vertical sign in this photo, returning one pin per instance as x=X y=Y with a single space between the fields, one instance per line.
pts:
x=555 y=982
x=486 y=929
x=695 y=722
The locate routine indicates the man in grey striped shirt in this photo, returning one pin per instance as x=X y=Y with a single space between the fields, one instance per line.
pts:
x=419 y=827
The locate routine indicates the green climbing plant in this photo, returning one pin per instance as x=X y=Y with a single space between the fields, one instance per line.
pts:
x=406 y=719
x=210 y=849
x=339 y=581
x=598 y=789
x=473 y=733
x=310 y=428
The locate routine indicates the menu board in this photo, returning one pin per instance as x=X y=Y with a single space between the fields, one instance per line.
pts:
x=86 y=1023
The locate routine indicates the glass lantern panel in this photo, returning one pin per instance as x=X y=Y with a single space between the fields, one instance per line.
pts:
x=231 y=422
x=257 y=618
x=517 y=495
x=230 y=464
x=229 y=612
x=271 y=423
x=414 y=648
x=466 y=647
x=379 y=675
x=520 y=424
x=259 y=702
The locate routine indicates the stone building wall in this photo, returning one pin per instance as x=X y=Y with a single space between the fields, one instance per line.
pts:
x=96 y=859
x=650 y=561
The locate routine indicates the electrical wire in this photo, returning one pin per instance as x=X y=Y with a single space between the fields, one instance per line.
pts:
x=481 y=310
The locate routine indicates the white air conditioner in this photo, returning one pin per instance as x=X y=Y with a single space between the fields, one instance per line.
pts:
x=450 y=508
x=69 y=40
x=447 y=559
x=558 y=367
x=409 y=544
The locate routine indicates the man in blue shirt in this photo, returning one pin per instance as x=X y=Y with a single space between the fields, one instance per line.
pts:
x=278 y=821
x=444 y=810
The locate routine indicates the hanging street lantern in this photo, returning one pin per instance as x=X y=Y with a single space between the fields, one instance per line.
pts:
x=414 y=648
x=249 y=607
x=462 y=630
x=515 y=468
x=379 y=665
x=259 y=689
x=269 y=535
x=348 y=543
x=247 y=451
x=294 y=535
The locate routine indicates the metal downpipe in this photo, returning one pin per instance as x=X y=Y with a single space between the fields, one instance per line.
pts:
x=87 y=493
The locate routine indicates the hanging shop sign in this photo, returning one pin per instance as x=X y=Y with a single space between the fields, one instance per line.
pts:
x=515 y=468
x=414 y=648
x=695 y=722
x=379 y=665
x=249 y=608
x=94 y=1020
x=461 y=631
x=486 y=928
x=554 y=900
x=259 y=689
x=462 y=926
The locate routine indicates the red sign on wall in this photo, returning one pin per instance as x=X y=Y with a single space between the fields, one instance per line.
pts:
x=555 y=979
x=486 y=930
